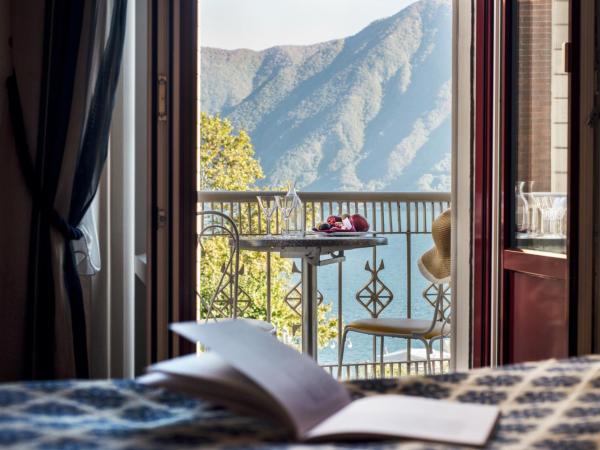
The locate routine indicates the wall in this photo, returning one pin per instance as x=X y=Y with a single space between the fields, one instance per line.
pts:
x=14 y=226
x=7 y=285
x=533 y=73
x=542 y=121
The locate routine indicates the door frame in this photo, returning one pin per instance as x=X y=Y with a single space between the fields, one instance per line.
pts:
x=171 y=173
x=483 y=183
x=584 y=58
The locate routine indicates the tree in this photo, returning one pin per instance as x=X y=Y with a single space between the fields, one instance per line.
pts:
x=227 y=162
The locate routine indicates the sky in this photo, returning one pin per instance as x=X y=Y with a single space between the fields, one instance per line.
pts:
x=259 y=24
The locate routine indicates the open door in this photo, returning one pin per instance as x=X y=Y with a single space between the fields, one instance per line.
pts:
x=543 y=229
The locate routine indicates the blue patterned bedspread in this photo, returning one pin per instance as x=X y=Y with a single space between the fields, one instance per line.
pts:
x=547 y=405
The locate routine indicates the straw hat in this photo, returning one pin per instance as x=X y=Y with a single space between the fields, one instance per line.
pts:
x=435 y=264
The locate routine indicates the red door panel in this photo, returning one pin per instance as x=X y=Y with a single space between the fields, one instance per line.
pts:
x=538 y=318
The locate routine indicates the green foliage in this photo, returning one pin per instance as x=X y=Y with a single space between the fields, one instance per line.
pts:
x=227 y=160
x=227 y=163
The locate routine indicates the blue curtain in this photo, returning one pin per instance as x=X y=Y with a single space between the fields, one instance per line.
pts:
x=80 y=66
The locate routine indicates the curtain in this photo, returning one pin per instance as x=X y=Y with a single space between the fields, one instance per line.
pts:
x=61 y=94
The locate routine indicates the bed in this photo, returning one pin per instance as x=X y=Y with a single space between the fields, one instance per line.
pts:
x=553 y=404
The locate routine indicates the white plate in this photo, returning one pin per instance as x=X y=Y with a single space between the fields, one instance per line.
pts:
x=342 y=233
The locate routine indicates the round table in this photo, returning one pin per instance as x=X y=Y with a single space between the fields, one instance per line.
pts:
x=309 y=249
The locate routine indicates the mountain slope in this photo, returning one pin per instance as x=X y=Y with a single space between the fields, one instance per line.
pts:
x=371 y=111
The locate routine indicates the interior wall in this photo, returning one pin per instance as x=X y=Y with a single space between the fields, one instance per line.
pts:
x=14 y=226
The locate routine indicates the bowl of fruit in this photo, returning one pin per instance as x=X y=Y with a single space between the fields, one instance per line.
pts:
x=344 y=225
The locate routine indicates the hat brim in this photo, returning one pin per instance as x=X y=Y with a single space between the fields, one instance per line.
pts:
x=435 y=267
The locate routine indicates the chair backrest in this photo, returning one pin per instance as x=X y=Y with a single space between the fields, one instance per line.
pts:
x=435 y=265
x=437 y=295
x=223 y=301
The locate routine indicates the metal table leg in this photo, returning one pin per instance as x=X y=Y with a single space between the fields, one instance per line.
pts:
x=309 y=307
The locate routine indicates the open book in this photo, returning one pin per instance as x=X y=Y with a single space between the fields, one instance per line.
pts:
x=250 y=370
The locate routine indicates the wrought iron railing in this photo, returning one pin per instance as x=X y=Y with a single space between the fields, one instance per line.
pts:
x=406 y=219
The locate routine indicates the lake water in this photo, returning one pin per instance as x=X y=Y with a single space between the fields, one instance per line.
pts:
x=394 y=275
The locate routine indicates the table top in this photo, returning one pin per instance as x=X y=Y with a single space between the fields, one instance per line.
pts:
x=545 y=405
x=279 y=243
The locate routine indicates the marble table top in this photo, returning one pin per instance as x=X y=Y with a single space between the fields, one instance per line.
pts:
x=325 y=243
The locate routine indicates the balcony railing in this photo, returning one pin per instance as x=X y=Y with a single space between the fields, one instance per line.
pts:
x=376 y=282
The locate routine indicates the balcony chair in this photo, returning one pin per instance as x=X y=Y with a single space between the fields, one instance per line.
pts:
x=435 y=266
x=224 y=302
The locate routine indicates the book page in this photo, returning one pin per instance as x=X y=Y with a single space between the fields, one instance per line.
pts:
x=209 y=377
x=409 y=417
x=304 y=390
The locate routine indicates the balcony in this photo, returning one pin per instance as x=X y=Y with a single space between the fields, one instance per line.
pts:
x=375 y=282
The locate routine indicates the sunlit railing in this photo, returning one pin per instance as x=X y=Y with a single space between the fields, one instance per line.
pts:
x=406 y=219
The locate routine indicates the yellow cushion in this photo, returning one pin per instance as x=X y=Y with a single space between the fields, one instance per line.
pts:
x=398 y=326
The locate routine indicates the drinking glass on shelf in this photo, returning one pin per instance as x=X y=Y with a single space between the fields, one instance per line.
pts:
x=544 y=204
x=528 y=192
x=268 y=205
x=559 y=206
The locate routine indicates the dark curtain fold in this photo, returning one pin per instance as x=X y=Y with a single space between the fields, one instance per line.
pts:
x=89 y=167
x=74 y=113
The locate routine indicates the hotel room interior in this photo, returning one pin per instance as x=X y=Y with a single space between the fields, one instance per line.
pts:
x=203 y=245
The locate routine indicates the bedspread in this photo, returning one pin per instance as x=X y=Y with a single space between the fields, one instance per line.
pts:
x=546 y=405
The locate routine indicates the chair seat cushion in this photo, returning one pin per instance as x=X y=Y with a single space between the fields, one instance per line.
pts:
x=385 y=326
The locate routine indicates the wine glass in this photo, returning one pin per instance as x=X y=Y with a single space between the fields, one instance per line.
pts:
x=544 y=204
x=268 y=205
x=285 y=205
x=559 y=207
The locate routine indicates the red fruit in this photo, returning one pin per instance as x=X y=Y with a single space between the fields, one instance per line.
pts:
x=360 y=223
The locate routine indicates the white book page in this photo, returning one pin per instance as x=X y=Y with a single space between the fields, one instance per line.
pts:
x=211 y=378
x=409 y=417
x=208 y=366
x=305 y=391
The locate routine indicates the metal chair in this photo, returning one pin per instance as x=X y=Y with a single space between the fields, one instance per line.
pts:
x=224 y=301
x=425 y=331
x=434 y=265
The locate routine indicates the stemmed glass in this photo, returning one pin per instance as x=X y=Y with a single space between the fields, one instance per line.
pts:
x=286 y=205
x=559 y=207
x=268 y=205
x=544 y=204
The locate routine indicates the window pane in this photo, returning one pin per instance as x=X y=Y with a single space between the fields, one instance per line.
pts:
x=540 y=124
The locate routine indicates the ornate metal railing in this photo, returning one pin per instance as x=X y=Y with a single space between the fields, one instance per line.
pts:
x=406 y=219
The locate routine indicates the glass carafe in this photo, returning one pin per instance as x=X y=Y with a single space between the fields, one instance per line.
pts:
x=522 y=210
x=293 y=216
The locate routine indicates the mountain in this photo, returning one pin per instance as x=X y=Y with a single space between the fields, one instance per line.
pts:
x=367 y=112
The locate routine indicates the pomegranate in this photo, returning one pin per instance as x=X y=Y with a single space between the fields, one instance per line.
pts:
x=360 y=223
